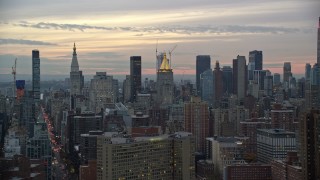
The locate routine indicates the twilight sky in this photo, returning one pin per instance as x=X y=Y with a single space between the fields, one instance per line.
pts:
x=107 y=33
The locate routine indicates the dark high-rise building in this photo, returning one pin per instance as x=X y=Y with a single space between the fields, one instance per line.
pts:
x=227 y=79
x=203 y=63
x=318 y=46
x=256 y=57
x=276 y=79
x=218 y=84
x=81 y=124
x=313 y=88
x=310 y=144
x=258 y=77
x=308 y=71
x=135 y=76
x=36 y=75
x=286 y=72
x=196 y=115
x=234 y=74
x=240 y=76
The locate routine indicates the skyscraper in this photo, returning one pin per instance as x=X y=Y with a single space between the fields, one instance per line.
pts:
x=36 y=75
x=203 y=63
x=307 y=71
x=256 y=57
x=126 y=89
x=101 y=91
x=268 y=85
x=165 y=84
x=318 y=46
x=251 y=66
x=286 y=72
x=196 y=114
x=310 y=144
x=218 y=84
x=76 y=77
x=240 y=76
x=135 y=76
x=276 y=79
x=227 y=79
x=206 y=84
x=313 y=99
x=258 y=77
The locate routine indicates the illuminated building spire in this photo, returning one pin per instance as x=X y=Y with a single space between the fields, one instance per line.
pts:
x=165 y=66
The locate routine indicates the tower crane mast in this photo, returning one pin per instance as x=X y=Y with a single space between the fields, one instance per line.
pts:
x=170 y=52
x=14 y=73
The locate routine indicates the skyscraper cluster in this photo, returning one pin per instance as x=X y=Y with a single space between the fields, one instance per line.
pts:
x=234 y=122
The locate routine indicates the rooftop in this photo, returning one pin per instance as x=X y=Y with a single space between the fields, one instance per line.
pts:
x=275 y=131
x=125 y=139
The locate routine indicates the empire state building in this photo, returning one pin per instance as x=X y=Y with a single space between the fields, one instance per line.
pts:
x=76 y=77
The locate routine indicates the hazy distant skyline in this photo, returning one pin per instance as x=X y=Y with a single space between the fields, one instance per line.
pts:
x=108 y=33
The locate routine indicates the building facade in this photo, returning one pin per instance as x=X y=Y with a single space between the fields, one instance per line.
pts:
x=165 y=85
x=126 y=89
x=274 y=144
x=256 y=57
x=218 y=84
x=101 y=91
x=196 y=114
x=286 y=72
x=135 y=76
x=36 y=75
x=310 y=144
x=240 y=76
x=227 y=79
x=318 y=46
x=158 y=157
x=248 y=172
x=207 y=88
x=76 y=77
x=203 y=63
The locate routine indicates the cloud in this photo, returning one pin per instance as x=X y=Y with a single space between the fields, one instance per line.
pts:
x=187 y=30
x=104 y=54
x=25 y=42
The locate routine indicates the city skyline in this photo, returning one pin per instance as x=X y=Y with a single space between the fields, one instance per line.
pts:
x=108 y=33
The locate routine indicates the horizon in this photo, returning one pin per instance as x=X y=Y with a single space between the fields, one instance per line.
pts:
x=5 y=78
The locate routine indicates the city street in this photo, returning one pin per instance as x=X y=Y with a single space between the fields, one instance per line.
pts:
x=59 y=170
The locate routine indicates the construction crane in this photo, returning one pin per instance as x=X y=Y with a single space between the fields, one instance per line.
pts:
x=14 y=73
x=170 y=52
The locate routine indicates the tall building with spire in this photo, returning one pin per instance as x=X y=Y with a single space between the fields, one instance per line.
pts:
x=76 y=77
x=165 y=84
